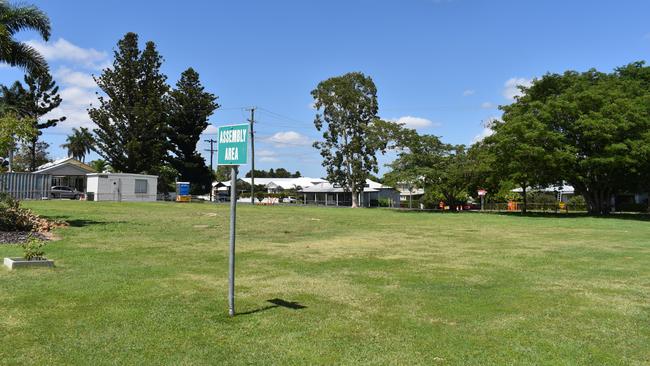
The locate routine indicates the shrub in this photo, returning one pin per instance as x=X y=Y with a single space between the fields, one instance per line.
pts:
x=33 y=249
x=577 y=202
x=384 y=202
x=15 y=218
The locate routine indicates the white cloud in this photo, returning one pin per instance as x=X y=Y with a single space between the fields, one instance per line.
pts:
x=70 y=77
x=267 y=156
x=415 y=122
x=211 y=130
x=62 y=50
x=78 y=87
x=469 y=92
x=488 y=105
x=285 y=138
x=511 y=89
x=487 y=131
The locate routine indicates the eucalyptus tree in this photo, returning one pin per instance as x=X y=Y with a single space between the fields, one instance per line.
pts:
x=347 y=115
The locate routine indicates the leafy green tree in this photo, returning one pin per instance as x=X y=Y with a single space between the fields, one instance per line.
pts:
x=79 y=143
x=277 y=173
x=32 y=103
x=419 y=158
x=100 y=165
x=14 y=18
x=590 y=129
x=347 y=109
x=131 y=118
x=423 y=161
x=13 y=130
x=453 y=176
x=191 y=106
x=167 y=177
x=222 y=174
x=524 y=151
x=24 y=158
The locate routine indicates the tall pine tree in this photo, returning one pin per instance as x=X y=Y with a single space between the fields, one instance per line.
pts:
x=131 y=117
x=39 y=98
x=191 y=106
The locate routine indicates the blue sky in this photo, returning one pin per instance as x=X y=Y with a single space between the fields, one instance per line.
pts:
x=441 y=66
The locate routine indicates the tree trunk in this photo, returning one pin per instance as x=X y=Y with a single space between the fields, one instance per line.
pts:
x=524 y=208
x=355 y=197
x=32 y=157
x=598 y=201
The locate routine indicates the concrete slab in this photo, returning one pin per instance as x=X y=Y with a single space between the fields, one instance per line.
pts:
x=13 y=263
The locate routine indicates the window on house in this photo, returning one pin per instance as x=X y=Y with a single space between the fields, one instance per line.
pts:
x=141 y=186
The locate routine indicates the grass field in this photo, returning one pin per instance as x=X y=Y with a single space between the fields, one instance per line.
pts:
x=147 y=284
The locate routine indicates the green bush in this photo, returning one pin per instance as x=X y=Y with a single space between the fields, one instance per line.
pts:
x=33 y=249
x=384 y=202
x=15 y=218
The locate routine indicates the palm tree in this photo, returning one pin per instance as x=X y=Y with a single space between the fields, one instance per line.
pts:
x=14 y=18
x=79 y=143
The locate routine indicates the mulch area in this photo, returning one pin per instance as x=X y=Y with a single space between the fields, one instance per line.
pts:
x=19 y=237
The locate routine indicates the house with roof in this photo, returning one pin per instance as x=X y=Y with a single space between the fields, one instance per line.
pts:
x=278 y=185
x=272 y=185
x=68 y=172
x=330 y=194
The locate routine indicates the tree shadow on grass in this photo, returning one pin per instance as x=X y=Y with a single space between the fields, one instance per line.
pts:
x=276 y=303
x=613 y=216
x=558 y=215
x=80 y=222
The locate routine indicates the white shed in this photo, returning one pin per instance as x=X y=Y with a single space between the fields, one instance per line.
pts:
x=122 y=187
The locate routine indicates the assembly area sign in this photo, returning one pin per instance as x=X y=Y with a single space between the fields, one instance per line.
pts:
x=233 y=145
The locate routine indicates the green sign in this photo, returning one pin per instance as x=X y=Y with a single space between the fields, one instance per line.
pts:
x=233 y=145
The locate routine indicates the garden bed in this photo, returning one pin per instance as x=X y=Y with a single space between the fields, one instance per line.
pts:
x=19 y=237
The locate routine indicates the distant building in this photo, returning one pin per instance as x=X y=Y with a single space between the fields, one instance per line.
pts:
x=409 y=193
x=563 y=193
x=220 y=190
x=122 y=187
x=329 y=194
x=68 y=172
x=277 y=185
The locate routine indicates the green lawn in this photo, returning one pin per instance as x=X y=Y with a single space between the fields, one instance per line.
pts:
x=146 y=283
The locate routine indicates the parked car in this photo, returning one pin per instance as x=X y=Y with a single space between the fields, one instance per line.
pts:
x=65 y=192
x=290 y=200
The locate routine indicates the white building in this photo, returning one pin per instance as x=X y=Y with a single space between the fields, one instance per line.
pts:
x=121 y=187
x=276 y=185
x=329 y=194
x=67 y=172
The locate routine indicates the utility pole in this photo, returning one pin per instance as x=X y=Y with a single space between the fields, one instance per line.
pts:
x=212 y=150
x=252 y=121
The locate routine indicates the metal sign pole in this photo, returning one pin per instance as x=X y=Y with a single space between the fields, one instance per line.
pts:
x=233 y=218
x=233 y=151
